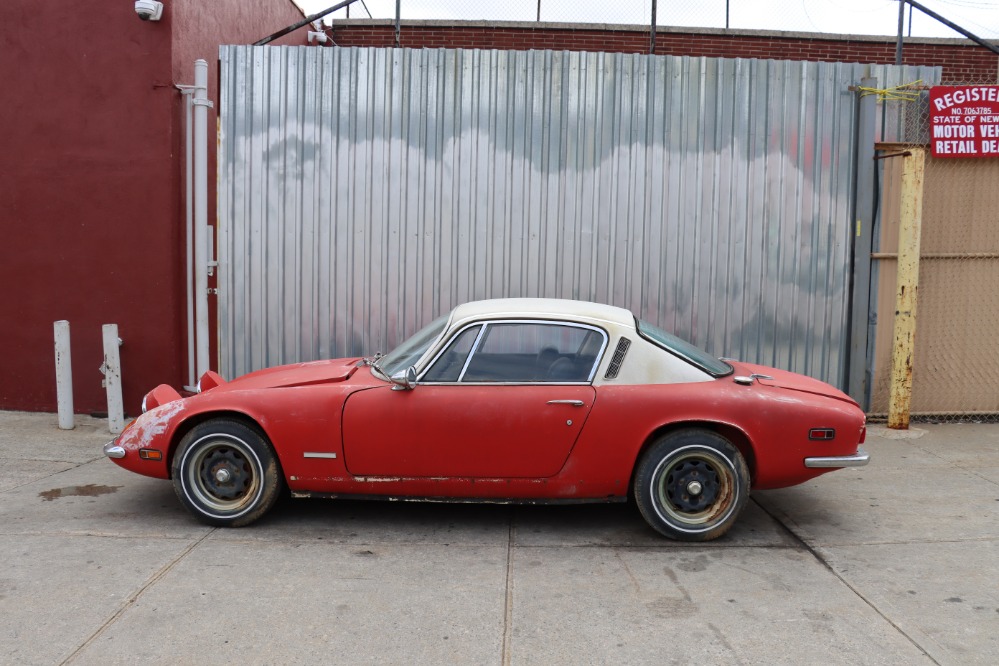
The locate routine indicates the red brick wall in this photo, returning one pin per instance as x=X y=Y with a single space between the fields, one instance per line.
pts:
x=962 y=62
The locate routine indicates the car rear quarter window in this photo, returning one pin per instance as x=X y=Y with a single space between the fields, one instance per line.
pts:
x=679 y=347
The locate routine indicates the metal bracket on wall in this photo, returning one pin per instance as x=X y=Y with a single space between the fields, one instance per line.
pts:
x=203 y=102
x=907 y=153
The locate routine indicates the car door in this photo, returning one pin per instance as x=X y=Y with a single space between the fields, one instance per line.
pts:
x=504 y=399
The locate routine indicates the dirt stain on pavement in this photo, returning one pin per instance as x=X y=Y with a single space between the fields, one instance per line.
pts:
x=89 y=490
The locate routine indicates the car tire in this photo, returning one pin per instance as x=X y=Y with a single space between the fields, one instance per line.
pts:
x=691 y=485
x=226 y=474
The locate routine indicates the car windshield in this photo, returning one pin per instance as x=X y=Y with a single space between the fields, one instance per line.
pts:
x=683 y=349
x=410 y=351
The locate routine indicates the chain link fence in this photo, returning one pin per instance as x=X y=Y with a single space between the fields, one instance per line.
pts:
x=955 y=376
x=857 y=17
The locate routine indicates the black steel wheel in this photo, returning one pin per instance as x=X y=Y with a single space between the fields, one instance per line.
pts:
x=691 y=485
x=226 y=473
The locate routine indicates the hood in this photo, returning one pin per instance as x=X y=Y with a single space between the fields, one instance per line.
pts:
x=790 y=380
x=297 y=374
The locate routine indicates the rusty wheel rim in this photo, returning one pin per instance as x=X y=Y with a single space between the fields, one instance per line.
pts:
x=694 y=488
x=224 y=474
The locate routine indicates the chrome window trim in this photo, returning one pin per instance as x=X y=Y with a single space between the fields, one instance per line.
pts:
x=505 y=384
x=443 y=349
x=471 y=352
x=605 y=339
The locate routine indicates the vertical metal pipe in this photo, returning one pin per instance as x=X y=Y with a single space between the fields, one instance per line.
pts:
x=906 y=286
x=201 y=104
x=652 y=30
x=863 y=238
x=112 y=378
x=398 y=26
x=901 y=24
x=64 y=374
x=726 y=13
x=192 y=379
x=539 y=11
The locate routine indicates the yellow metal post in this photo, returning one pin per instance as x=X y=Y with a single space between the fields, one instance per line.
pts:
x=906 y=287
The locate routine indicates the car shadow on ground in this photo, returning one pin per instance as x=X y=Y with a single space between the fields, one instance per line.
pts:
x=523 y=525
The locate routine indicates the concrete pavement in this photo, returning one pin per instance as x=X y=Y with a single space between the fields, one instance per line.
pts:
x=893 y=563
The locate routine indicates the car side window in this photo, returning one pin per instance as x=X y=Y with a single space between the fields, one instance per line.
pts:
x=534 y=352
x=448 y=365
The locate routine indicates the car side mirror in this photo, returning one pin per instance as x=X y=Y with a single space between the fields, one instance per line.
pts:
x=404 y=380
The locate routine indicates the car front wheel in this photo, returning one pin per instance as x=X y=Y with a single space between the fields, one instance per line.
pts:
x=226 y=473
x=691 y=485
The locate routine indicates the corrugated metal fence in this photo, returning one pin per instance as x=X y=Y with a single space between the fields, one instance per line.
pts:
x=364 y=191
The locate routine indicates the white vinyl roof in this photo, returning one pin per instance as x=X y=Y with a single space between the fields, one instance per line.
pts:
x=543 y=308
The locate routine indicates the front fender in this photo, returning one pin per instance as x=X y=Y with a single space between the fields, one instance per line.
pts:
x=151 y=432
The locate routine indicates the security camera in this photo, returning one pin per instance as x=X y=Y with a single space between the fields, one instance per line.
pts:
x=149 y=10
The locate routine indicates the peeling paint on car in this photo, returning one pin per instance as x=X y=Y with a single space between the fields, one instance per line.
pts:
x=150 y=425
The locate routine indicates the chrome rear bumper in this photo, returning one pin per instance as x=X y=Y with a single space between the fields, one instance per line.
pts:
x=858 y=459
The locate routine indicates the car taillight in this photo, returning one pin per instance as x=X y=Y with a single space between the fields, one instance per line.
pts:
x=822 y=434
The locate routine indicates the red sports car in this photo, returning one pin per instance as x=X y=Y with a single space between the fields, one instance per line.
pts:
x=524 y=400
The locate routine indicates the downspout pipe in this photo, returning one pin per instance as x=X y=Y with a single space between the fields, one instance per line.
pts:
x=201 y=105
x=187 y=92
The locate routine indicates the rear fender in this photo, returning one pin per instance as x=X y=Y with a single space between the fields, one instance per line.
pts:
x=736 y=435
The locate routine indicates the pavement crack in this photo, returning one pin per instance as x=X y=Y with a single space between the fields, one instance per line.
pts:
x=958 y=465
x=825 y=563
x=156 y=577
x=627 y=570
x=508 y=599
x=721 y=639
x=90 y=533
x=49 y=476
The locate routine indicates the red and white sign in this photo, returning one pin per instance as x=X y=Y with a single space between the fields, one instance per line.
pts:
x=964 y=121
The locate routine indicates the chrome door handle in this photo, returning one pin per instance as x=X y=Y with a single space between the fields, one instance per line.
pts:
x=574 y=403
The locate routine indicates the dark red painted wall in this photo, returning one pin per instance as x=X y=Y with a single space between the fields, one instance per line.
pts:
x=91 y=197
x=87 y=198
x=962 y=63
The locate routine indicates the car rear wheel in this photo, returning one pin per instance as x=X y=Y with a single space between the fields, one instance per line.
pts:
x=691 y=485
x=226 y=473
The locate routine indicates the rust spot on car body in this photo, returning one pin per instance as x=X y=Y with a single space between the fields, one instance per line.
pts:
x=89 y=490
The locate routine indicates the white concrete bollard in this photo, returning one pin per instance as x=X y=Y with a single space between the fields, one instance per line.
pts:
x=112 y=378
x=64 y=375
